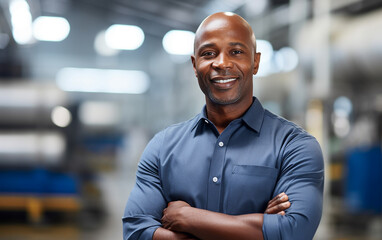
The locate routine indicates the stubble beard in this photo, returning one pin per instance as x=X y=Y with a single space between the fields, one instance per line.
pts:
x=222 y=101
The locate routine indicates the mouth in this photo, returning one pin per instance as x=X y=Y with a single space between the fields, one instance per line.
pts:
x=224 y=80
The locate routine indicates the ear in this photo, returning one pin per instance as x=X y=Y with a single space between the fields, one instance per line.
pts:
x=194 y=65
x=257 y=62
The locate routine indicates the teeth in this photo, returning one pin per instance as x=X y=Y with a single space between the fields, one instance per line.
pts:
x=225 y=80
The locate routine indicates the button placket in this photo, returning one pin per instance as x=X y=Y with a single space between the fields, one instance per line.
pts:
x=216 y=169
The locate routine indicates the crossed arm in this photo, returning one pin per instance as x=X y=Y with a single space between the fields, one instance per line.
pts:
x=301 y=177
x=181 y=221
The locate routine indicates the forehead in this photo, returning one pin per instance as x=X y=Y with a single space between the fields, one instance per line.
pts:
x=223 y=30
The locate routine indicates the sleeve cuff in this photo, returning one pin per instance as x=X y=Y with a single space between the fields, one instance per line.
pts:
x=148 y=233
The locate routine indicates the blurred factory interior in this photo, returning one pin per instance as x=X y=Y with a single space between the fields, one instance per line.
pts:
x=84 y=84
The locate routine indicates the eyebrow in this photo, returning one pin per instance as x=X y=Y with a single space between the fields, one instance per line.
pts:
x=237 y=44
x=207 y=45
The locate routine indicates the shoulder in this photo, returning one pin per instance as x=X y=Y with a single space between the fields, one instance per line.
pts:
x=301 y=151
x=295 y=143
x=178 y=129
x=285 y=129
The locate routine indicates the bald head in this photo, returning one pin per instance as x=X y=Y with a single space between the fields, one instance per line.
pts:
x=222 y=21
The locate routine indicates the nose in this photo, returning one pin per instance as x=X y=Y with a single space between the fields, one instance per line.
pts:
x=222 y=61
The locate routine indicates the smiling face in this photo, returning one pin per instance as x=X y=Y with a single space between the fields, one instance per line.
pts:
x=225 y=59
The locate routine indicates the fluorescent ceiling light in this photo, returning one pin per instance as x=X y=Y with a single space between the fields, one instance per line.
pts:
x=102 y=80
x=179 y=42
x=54 y=29
x=21 y=20
x=124 y=37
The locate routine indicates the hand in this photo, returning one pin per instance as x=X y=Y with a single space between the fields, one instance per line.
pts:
x=278 y=204
x=172 y=216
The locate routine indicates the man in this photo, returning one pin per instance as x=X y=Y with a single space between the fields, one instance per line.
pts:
x=212 y=177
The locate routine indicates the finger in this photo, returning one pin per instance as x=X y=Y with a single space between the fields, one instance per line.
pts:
x=282 y=197
x=282 y=213
x=165 y=224
x=278 y=208
x=276 y=198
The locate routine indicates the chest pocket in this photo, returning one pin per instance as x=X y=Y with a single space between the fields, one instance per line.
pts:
x=253 y=170
x=250 y=188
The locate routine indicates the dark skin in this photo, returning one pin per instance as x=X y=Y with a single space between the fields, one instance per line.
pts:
x=224 y=62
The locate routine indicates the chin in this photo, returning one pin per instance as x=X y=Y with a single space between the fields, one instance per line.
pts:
x=224 y=101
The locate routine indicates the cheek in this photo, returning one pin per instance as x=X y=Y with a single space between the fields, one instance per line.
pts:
x=203 y=70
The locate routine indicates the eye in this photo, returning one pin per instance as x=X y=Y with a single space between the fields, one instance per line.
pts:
x=234 y=52
x=207 y=54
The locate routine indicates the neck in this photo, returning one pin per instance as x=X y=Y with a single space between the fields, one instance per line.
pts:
x=222 y=115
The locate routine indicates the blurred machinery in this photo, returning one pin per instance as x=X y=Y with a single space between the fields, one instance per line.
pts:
x=40 y=142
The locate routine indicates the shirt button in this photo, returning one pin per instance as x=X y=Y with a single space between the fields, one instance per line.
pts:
x=221 y=144
x=214 y=179
x=206 y=120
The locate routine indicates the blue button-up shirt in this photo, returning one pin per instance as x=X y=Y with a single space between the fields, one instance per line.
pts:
x=236 y=172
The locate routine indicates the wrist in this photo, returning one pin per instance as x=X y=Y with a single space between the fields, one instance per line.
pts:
x=183 y=216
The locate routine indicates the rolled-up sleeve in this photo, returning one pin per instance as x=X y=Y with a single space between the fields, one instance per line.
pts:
x=302 y=179
x=146 y=202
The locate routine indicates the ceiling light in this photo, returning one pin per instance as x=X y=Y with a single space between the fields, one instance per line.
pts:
x=179 y=42
x=124 y=37
x=102 y=80
x=102 y=48
x=21 y=20
x=54 y=29
x=61 y=116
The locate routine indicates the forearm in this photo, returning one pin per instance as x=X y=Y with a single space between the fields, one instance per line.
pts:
x=165 y=234
x=211 y=225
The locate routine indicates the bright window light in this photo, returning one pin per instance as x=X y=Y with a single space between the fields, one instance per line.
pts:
x=124 y=37
x=54 y=29
x=102 y=80
x=21 y=20
x=179 y=42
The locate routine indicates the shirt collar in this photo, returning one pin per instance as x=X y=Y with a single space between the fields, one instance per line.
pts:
x=200 y=118
x=253 y=118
